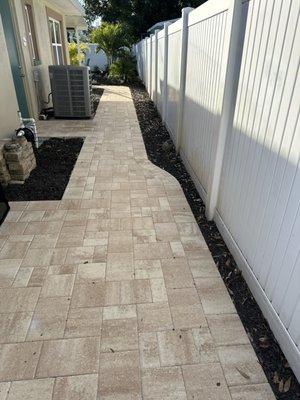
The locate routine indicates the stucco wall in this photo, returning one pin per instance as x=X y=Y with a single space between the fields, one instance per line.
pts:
x=37 y=91
x=8 y=100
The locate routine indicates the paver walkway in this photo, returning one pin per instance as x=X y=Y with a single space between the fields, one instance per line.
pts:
x=112 y=293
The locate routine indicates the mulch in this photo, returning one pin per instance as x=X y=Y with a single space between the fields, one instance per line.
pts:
x=55 y=159
x=161 y=152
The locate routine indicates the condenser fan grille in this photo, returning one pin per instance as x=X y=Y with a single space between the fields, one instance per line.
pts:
x=71 y=91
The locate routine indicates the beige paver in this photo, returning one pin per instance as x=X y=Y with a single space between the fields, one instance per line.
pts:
x=69 y=357
x=119 y=334
x=19 y=360
x=163 y=383
x=83 y=322
x=111 y=292
x=227 y=329
x=33 y=389
x=205 y=381
x=58 y=285
x=119 y=376
x=80 y=387
x=149 y=351
x=14 y=326
x=240 y=365
x=252 y=392
x=177 y=347
x=90 y=294
x=154 y=317
x=49 y=319
x=4 y=390
x=119 y=312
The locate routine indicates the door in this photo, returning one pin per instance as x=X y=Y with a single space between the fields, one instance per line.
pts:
x=16 y=68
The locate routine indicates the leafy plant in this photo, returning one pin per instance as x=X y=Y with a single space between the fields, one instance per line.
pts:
x=75 y=58
x=124 y=68
x=111 y=38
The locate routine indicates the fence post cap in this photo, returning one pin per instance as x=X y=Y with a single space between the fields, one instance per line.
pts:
x=186 y=10
x=167 y=23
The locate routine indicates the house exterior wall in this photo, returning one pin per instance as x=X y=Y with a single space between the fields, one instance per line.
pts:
x=37 y=91
x=8 y=113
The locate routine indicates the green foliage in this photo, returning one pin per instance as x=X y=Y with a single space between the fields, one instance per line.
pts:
x=137 y=15
x=124 y=69
x=111 y=38
x=76 y=58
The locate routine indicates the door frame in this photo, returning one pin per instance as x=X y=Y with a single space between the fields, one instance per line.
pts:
x=21 y=57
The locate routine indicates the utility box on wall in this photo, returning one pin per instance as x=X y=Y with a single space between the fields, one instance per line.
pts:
x=71 y=91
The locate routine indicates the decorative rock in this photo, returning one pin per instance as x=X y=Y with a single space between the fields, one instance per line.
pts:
x=167 y=146
x=4 y=173
x=12 y=147
x=20 y=159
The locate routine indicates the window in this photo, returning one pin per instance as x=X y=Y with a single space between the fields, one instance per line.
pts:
x=29 y=23
x=56 y=41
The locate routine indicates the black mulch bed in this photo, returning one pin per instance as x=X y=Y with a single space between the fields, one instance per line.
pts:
x=55 y=159
x=97 y=94
x=102 y=79
x=162 y=153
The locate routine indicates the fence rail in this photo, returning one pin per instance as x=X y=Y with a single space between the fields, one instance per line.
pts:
x=225 y=79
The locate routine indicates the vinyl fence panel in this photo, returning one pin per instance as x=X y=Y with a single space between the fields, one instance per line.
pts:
x=173 y=83
x=239 y=137
x=209 y=29
x=160 y=70
x=259 y=197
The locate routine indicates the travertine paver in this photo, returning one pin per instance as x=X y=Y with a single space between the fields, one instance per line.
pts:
x=111 y=293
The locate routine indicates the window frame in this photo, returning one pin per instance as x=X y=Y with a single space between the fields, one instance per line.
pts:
x=31 y=32
x=54 y=15
x=55 y=45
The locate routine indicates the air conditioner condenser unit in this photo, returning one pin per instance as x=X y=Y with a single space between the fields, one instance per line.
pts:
x=71 y=91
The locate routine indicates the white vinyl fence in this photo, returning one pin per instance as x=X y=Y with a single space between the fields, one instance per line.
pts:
x=94 y=58
x=225 y=78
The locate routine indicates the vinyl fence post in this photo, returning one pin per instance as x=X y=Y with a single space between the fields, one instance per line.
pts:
x=235 y=52
x=155 y=65
x=146 y=62
x=165 y=82
x=135 y=50
x=183 y=57
x=150 y=66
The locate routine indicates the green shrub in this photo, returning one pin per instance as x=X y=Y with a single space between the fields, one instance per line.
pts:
x=124 y=69
x=111 y=38
x=75 y=58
